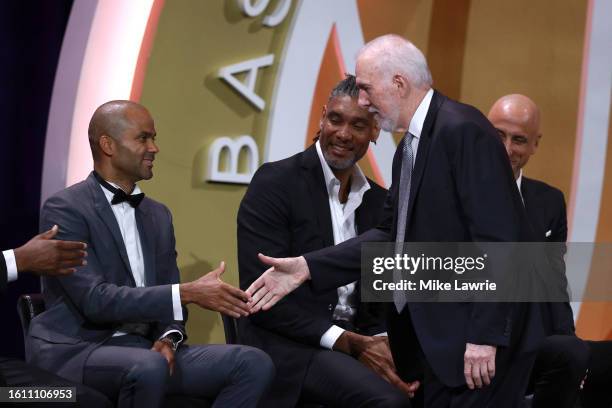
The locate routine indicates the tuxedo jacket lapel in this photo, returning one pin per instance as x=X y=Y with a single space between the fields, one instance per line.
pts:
x=313 y=174
x=106 y=214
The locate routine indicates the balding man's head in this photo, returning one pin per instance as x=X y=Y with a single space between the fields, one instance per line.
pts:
x=110 y=119
x=517 y=119
x=393 y=78
x=122 y=138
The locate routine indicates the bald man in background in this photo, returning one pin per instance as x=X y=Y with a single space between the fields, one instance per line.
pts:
x=563 y=358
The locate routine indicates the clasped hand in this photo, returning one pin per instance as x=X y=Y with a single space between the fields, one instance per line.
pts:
x=478 y=365
x=374 y=352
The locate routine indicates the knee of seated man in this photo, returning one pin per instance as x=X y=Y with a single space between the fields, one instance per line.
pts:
x=153 y=369
x=395 y=400
x=256 y=364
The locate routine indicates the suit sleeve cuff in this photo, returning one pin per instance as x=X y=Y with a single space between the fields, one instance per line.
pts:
x=11 y=265
x=176 y=303
x=328 y=339
x=180 y=335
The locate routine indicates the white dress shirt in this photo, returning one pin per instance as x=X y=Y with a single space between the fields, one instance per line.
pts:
x=343 y=226
x=126 y=218
x=519 y=179
x=416 y=123
x=11 y=265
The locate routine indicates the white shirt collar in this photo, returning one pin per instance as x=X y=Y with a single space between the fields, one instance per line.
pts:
x=418 y=119
x=109 y=195
x=519 y=179
x=359 y=183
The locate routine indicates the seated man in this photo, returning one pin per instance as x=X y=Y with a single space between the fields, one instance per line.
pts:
x=45 y=256
x=117 y=324
x=323 y=345
x=563 y=358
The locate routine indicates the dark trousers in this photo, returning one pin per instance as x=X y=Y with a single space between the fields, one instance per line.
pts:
x=17 y=373
x=597 y=392
x=129 y=372
x=505 y=391
x=560 y=366
x=335 y=379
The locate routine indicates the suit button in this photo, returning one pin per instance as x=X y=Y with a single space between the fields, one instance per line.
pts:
x=329 y=307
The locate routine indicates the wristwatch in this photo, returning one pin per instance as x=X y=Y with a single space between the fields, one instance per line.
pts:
x=172 y=339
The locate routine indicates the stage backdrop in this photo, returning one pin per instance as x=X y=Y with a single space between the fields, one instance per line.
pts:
x=232 y=84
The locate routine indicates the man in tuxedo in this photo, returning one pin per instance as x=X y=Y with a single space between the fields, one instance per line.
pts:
x=117 y=324
x=324 y=345
x=563 y=358
x=451 y=182
x=43 y=256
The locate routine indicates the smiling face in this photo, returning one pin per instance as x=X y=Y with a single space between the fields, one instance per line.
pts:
x=346 y=130
x=516 y=119
x=378 y=93
x=135 y=149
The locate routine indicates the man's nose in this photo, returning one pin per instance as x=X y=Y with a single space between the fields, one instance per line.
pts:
x=344 y=133
x=508 y=146
x=152 y=147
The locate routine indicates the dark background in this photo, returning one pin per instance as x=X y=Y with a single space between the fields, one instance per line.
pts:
x=31 y=34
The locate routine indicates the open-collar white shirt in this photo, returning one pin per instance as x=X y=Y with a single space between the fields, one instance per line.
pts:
x=344 y=228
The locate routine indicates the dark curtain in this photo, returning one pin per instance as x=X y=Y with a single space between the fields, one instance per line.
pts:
x=31 y=34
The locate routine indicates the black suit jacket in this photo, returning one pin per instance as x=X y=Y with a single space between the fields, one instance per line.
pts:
x=285 y=212
x=3 y=274
x=545 y=207
x=462 y=190
x=85 y=309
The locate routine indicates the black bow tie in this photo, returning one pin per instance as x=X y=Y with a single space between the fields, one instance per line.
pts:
x=120 y=196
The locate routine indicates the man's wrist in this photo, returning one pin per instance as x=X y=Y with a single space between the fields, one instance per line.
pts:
x=169 y=342
x=351 y=343
x=306 y=275
x=173 y=339
x=185 y=290
x=21 y=259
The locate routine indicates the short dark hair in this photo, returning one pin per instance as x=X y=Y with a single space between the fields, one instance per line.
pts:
x=346 y=87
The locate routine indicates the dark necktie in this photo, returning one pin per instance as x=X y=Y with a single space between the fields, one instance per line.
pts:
x=120 y=196
x=399 y=297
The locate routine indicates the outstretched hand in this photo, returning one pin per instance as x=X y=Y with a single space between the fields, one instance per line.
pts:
x=44 y=255
x=211 y=293
x=284 y=276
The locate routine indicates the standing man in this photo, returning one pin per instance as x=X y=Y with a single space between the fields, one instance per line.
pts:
x=563 y=358
x=44 y=256
x=451 y=182
x=322 y=344
x=118 y=324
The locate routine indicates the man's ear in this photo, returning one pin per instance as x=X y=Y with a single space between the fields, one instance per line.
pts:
x=402 y=84
x=537 y=141
x=107 y=145
x=323 y=113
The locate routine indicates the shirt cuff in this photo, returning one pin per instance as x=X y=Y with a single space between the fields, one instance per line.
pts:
x=381 y=334
x=11 y=265
x=176 y=302
x=173 y=331
x=328 y=339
